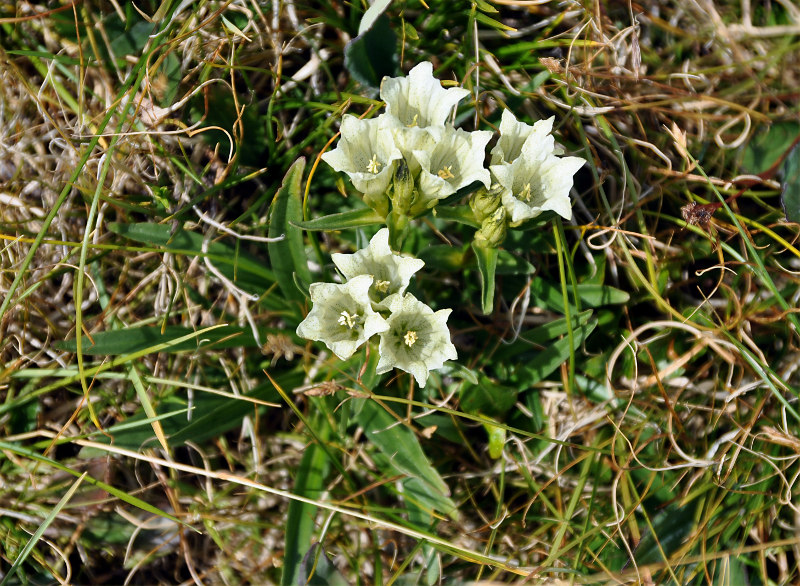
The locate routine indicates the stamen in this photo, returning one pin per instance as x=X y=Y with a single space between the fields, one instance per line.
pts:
x=413 y=121
x=382 y=286
x=345 y=319
x=410 y=338
x=526 y=192
x=374 y=166
x=446 y=172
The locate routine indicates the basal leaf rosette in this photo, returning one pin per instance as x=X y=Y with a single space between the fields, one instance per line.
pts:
x=366 y=152
x=391 y=273
x=417 y=340
x=342 y=316
x=419 y=99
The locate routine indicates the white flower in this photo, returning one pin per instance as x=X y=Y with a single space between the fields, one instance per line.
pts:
x=419 y=99
x=526 y=164
x=533 y=186
x=514 y=134
x=455 y=161
x=391 y=272
x=417 y=340
x=342 y=316
x=366 y=152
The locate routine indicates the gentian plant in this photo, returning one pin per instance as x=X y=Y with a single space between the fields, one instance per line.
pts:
x=405 y=163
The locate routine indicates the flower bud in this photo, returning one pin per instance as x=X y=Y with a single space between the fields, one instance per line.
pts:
x=493 y=229
x=485 y=202
x=403 y=193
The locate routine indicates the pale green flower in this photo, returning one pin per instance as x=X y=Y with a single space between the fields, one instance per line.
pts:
x=455 y=161
x=366 y=153
x=533 y=186
x=514 y=134
x=391 y=272
x=342 y=316
x=419 y=99
x=417 y=340
x=526 y=164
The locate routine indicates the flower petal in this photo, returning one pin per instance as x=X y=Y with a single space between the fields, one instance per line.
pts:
x=342 y=316
x=455 y=161
x=533 y=186
x=515 y=134
x=419 y=99
x=417 y=340
x=391 y=273
x=366 y=152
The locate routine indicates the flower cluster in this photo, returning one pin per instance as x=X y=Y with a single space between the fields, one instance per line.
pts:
x=529 y=177
x=372 y=301
x=410 y=158
x=404 y=163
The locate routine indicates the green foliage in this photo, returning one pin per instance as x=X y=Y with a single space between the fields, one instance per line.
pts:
x=623 y=404
x=373 y=53
x=790 y=192
x=286 y=251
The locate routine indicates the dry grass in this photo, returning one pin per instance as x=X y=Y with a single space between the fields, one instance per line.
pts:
x=664 y=450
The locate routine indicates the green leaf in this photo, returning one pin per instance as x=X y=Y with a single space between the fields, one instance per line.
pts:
x=486 y=7
x=442 y=257
x=51 y=516
x=460 y=214
x=147 y=407
x=546 y=361
x=731 y=570
x=288 y=257
x=129 y=340
x=482 y=18
x=300 y=521
x=540 y=336
x=511 y=264
x=671 y=526
x=212 y=416
x=790 y=186
x=486 y=258
x=487 y=397
x=497 y=440
x=246 y=271
x=401 y=448
x=592 y=295
x=317 y=570
x=766 y=148
x=342 y=221
x=372 y=14
x=372 y=55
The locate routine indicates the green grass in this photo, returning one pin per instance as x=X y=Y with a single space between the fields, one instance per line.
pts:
x=624 y=408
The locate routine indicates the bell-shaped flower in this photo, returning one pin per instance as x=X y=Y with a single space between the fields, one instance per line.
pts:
x=391 y=273
x=342 y=316
x=417 y=340
x=419 y=99
x=514 y=134
x=534 y=185
x=455 y=161
x=366 y=152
